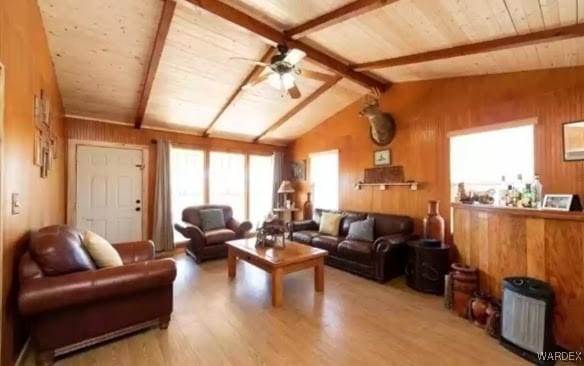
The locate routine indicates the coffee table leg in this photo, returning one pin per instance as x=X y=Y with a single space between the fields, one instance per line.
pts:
x=231 y=263
x=319 y=276
x=277 y=287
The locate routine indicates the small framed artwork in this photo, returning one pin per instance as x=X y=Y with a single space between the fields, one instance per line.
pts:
x=561 y=202
x=382 y=157
x=38 y=148
x=45 y=110
x=573 y=136
x=299 y=170
x=37 y=111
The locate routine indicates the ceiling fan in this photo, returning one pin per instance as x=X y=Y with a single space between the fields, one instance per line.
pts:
x=283 y=71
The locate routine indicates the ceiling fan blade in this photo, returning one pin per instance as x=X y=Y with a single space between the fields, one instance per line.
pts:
x=249 y=60
x=294 y=56
x=255 y=81
x=316 y=75
x=294 y=92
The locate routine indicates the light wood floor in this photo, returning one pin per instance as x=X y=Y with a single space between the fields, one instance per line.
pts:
x=355 y=322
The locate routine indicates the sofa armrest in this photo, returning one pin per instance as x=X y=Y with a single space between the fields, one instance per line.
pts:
x=239 y=228
x=49 y=293
x=138 y=251
x=385 y=243
x=191 y=231
x=303 y=225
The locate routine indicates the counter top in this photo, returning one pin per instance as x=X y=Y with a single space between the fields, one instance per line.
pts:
x=526 y=212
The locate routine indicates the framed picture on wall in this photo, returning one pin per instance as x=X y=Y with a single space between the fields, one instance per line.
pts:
x=573 y=138
x=299 y=170
x=382 y=157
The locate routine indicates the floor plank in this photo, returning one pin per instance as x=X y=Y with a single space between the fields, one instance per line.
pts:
x=355 y=321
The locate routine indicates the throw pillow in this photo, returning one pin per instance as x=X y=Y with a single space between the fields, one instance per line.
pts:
x=101 y=251
x=362 y=230
x=329 y=223
x=212 y=219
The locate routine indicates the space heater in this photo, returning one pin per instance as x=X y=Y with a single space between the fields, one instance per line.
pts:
x=526 y=318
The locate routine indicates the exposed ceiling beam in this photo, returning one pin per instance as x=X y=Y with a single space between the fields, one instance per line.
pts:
x=336 y=16
x=521 y=40
x=159 y=41
x=274 y=36
x=300 y=106
x=252 y=75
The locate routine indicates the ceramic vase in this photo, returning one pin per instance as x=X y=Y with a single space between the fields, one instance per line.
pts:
x=307 y=208
x=464 y=284
x=433 y=222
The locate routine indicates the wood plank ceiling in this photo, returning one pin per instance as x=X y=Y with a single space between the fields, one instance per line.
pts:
x=157 y=65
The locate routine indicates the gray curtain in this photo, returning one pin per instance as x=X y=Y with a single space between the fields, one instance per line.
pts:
x=278 y=163
x=162 y=233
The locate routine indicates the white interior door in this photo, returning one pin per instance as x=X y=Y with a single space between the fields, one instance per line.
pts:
x=109 y=192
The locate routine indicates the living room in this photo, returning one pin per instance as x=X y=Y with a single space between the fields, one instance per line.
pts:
x=268 y=182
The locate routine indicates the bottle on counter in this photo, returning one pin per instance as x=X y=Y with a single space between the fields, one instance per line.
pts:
x=509 y=196
x=527 y=197
x=537 y=189
x=502 y=192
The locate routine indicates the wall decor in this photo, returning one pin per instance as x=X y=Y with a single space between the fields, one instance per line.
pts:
x=382 y=157
x=390 y=174
x=45 y=111
x=38 y=146
x=37 y=111
x=381 y=124
x=562 y=202
x=573 y=136
x=299 y=170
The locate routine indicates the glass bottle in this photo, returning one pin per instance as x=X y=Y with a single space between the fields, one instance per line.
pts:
x=537 y=189
x=509 y=196
x=502 y=192
x=527 y=197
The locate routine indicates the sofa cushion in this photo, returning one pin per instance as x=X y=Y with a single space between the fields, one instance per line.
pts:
x=330 y=223
x=219 y=236
x=212 y=219
x=358 y=251
x=58 y=250
x=362 y=230
x=101 y=251
x=392 y=224
x=348 y=219
x=304 y=236
x=326 y=242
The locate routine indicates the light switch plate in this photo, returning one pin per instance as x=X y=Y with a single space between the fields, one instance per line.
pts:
x=15 y=203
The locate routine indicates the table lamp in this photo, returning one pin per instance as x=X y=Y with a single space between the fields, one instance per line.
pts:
x=285 y=188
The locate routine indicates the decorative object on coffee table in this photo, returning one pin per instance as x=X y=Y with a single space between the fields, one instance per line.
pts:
x=428 y=262
x=493 y=325
x=464 y=284
x=477 y=308
x=272 y=234
x=307 y=208
x=433 y=222
x=278 y=262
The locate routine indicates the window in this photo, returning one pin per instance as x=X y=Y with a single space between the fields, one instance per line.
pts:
x=187 y=182
x=324 y=179
x=227 y=181
x=261 y=181
x=481 y=159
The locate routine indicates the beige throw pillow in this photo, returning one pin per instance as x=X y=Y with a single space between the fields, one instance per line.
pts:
x=329 y=223
x=101 y=251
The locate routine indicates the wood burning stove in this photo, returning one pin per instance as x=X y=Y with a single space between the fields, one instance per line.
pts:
x=526 y=319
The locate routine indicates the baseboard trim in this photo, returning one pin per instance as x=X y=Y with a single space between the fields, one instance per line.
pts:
x=23 y=353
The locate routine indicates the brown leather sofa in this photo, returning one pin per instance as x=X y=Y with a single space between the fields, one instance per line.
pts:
x=382 y=259
x=211 y=244
x=70 y=304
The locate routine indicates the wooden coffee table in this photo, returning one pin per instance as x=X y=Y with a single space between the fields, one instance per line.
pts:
x=278 y=261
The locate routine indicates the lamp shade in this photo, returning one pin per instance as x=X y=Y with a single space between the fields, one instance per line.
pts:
x=286 y=187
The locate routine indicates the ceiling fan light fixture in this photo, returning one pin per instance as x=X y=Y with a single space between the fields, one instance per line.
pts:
x=281 y=81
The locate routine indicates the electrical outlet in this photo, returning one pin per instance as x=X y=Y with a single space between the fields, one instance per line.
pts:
x=15 y=203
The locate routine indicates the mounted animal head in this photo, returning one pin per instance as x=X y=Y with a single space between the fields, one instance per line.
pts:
x=381 y=124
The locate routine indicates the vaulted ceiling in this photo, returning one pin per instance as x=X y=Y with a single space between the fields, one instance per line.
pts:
x=166 y=65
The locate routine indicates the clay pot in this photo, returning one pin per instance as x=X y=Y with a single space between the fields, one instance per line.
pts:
x=493 y=324
x=433 y=222
x=464 y=284
x=307 y=208
x=478 y=305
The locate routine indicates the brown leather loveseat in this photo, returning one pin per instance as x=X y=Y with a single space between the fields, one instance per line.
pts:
x=70 y=304
x=211 y=244
x=382 y=259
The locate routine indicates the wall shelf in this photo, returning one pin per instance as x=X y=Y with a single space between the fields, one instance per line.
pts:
x=383 y=186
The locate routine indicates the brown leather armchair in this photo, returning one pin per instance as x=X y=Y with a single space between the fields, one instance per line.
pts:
x=211 y=244
x=70 y=304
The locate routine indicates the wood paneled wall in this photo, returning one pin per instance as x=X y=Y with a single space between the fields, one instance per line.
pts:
x=426 y=111
x=25 y=54
x=503 y=244
x=98 y=131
